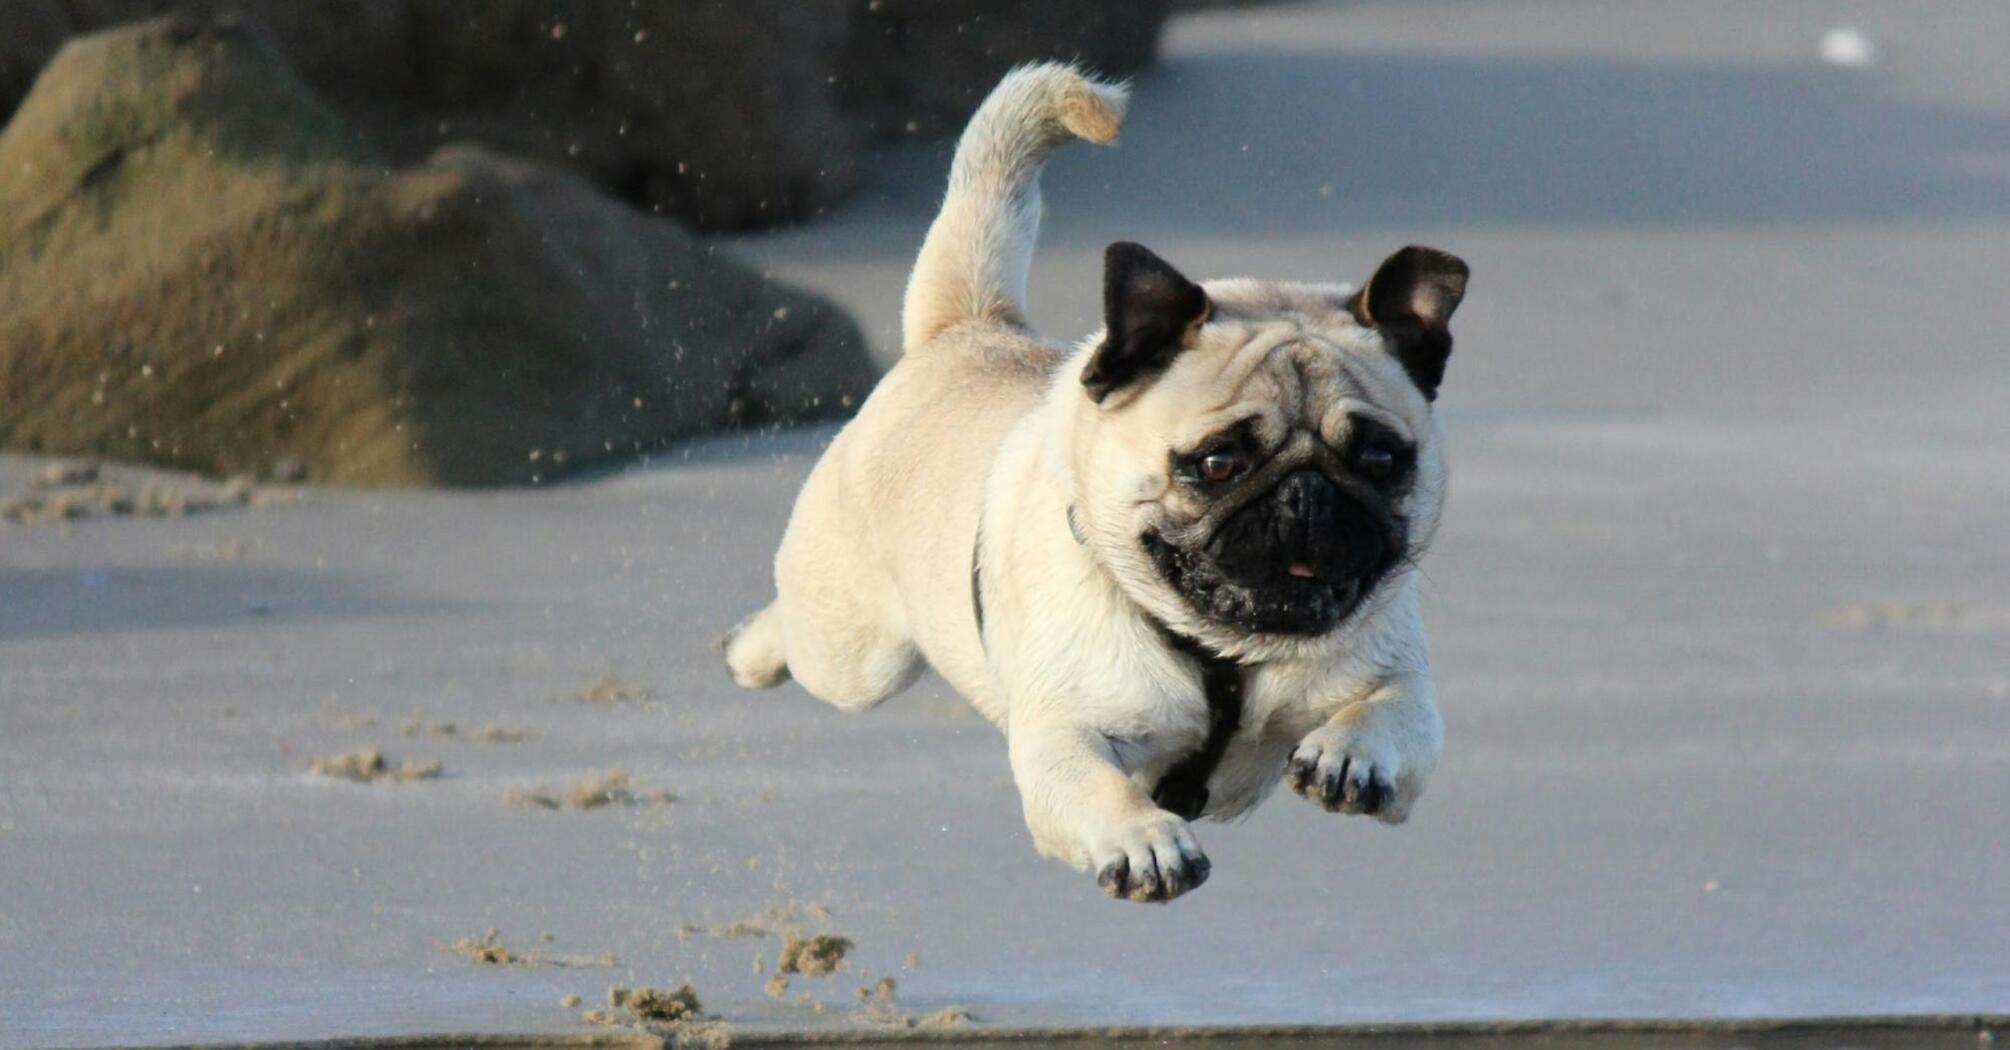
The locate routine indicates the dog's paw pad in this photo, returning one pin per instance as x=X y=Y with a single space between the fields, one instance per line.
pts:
x=1337 y=772
x=1153 y=861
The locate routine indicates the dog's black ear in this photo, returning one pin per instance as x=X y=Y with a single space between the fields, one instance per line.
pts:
x=1411 y=299
x=1151 y=313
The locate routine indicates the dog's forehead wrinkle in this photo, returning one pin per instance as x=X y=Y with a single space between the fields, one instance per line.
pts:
x=1285 y=347
x=1369 y=387
x=1306 y=386
x=1353 y=413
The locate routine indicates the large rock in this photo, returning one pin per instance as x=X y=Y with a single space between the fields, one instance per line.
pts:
x=726 y=113
x=201 y=266
x=720 y=113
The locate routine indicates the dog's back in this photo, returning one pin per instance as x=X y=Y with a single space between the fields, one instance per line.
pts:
x=874 y=569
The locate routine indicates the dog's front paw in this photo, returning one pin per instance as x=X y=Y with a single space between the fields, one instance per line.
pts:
x=1348 y=772
x=1149 y=859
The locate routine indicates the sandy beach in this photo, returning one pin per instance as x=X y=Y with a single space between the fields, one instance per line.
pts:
x=1720 y=612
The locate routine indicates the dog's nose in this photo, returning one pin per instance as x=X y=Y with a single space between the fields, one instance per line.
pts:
x=1308 y=497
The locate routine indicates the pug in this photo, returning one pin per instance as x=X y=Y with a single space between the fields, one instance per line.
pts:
x=1176 y=563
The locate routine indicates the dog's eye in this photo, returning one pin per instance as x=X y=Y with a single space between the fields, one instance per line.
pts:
x=1376 y=462
x=1217 y=467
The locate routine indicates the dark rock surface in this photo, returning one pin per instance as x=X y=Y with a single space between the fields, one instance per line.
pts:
x=725 y=113
x=201 y=266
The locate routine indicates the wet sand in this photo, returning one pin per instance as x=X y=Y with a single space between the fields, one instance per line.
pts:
x=1718 y=613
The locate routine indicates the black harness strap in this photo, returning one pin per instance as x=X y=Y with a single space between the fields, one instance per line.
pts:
x=1182 y=791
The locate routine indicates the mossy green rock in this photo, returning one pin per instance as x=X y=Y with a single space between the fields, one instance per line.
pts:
x=202 y=267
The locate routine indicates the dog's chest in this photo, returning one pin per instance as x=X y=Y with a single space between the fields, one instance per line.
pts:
x=1274 y=718
x=1225 y=748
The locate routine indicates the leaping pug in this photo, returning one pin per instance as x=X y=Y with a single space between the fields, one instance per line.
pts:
x=1175 y=563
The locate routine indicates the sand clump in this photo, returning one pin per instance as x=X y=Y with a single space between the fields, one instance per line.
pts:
x=947 y=1017
x=1915 y=616
x=674 y=1013
x=414 y=727
x=369 y=767
x=878 y=993
x=877 y=1007
x=610 y=689
x=612 y=788
x=69 y=491
x=730 y=931
x=487 y=734
x=816 y=955
x=651 y=1004
x=700 y=1035
x=764 y=924
x=489 y=950
x=785 y=913
x=533 y=798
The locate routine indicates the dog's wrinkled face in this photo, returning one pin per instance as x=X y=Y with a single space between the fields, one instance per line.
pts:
x=1255 y=460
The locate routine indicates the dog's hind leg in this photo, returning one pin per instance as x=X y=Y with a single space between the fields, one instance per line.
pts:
x=833 y=651
x=754 y=651
x=973 y=265
x=837 y=620
x=847 y=663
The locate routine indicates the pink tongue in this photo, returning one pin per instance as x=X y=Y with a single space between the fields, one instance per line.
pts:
x=1301 y=570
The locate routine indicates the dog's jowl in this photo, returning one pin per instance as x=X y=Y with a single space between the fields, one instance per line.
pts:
x=1174 y=563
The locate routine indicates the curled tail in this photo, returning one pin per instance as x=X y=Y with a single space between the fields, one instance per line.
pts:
x=973 y=264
